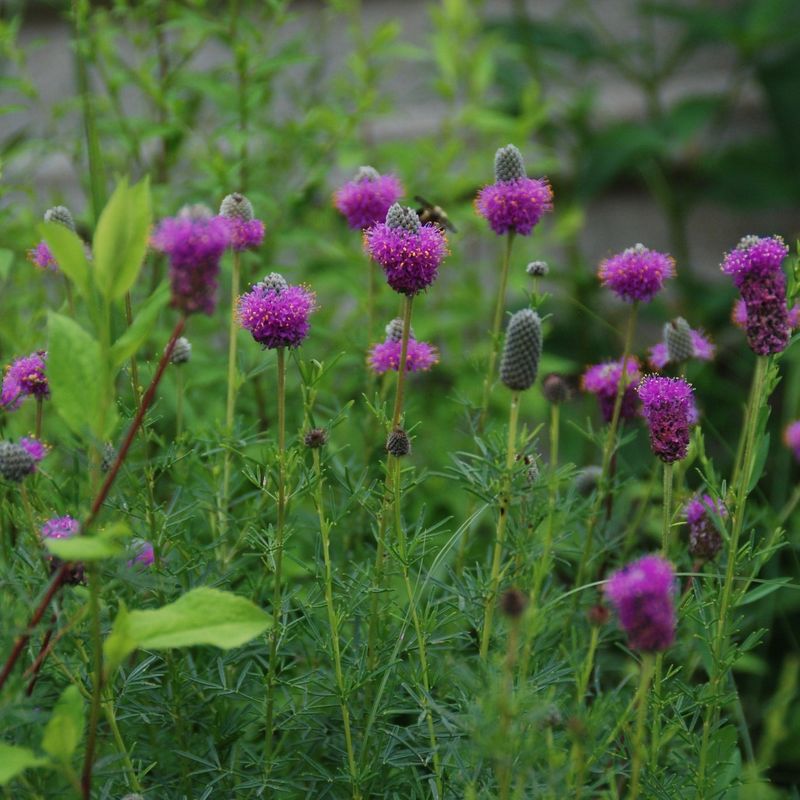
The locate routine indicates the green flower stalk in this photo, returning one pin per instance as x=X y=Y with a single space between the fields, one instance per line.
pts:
x=637 y=757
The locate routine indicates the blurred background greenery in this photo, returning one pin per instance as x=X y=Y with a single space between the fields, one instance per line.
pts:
x=672 y=123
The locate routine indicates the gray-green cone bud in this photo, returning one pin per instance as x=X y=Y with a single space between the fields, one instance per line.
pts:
x=678 y=338
x=274 y=282
x=537 y=269
x=508 y=164
x=109 y=456
x=236 y=206
x=403 y=217
x=394 y=331
x=366 y=173
x=587 y=479
x=195 y=211
x=61 y=215
x=556 y=389
x=181 y=352
x=398 y=443
x=522 y=350
x=16 y=463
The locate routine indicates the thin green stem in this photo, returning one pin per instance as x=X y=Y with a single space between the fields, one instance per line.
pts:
x=111 y=719
x=97 y=680
x=181 y=389
x=507 y=711
x=277 y=597
x=230 y=404
x=372 y=293
x=543 y=566
x=137 y=389
x=608 y=449
x=502 y=519
x=496 y=325
x=645 y=676
x=333 y=622
x=667 y=519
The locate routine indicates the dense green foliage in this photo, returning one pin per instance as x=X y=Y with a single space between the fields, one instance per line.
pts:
x=553 y=704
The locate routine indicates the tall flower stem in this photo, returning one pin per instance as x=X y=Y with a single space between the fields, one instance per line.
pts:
x=39 y=409
x=380 y=552
x=99 y=500
x=230 y=404
x=645 y=676
x=496 y=325
x=500 y=534
x=507 y=710
x=372 y=293
x=402 y=551
x=743 y=471
x=181 y=390
x=667 y=520
x=333 y=622
x=97 y=680
x=543 y=566
x=137 y=389
x=609 y=449
x=277 y=596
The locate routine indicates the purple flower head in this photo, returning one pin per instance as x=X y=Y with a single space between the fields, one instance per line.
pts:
x=410 y=253
x=704 y=538
x=603 y=380
x=194 y=244
x=755 y=256
x=42 y=257
x=25 y=377
x=276 y=317
x=642 y=594
x=386 y=356
x=702 y=348
x=767 y=327
x=668 y=407
x=791 y=437
x=60 y=528
x=366 y=199
x=36 y=449
x=739 y=315
x=516 y=205
x=636 y=274
x=245 y=234
x=145 y=555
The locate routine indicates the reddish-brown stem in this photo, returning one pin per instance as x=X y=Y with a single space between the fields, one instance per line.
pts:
x=102 y=494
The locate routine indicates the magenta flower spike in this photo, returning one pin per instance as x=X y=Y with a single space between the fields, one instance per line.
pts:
x=145 y=554
x=669 y=410
x=194 y=243
x=25 y=377
x=35 y=449
x=385 y=356
x=275 y=313
x=704 y=538
x=366 y=199
x=603 y=379
x=409 y=252
x=514 y=203
x=756 y=268
x=60 y=528
x=245 y=231
x=42 y=257
x=791 y=437
x=636 y=274
x=642 y=594
x=739 y=315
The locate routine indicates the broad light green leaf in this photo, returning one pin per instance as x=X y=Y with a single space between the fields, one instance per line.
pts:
x=106 y=544
x=201 y=616
x=132 y=339
x=73 y=370
x=68 y=250
x=65 y=728
x=120 y=241
x=15 y=760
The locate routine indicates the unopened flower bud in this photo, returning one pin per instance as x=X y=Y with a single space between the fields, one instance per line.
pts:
x=394 y=331
x=316 y=437
x=61 y=215
x=513 y=603
x=195 y=211
x=181 y=352
x=587 y=479
x=16 y=463
x=398 y=443
x=537 y=269
x=522 y=350
x=274 y=282
x=367 y=173
x=508 y=164
x=556 y=388
x=678 y=338
x=109 y=456
x=236 y=206
x=403 y=217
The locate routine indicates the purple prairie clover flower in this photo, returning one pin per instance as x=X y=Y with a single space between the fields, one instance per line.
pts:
x=246 y=232
x=697 y=345
x=636 y=274
x=194 y=244
x=409 y=252
x=668 y=408
x=60 y=528
x=366 y=199
x=767 y=328
x=386 y=356
x=25 y=377
x=603 y=380
x=643 y=595
x=704 y=538
x=145 y=554
x=739 y=315
x=791 y=437
x=276 y=317
x=755 y=256
x=514 y=206
x=42 y=257
x=36 y=449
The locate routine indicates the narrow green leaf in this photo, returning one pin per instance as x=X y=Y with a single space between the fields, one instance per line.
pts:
x=202 y=616
x=65 y=728
x=15 y=760
x=132 y=339
x=120 y=241
x=763 y=590
x=73 y=370
x=69 y=251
